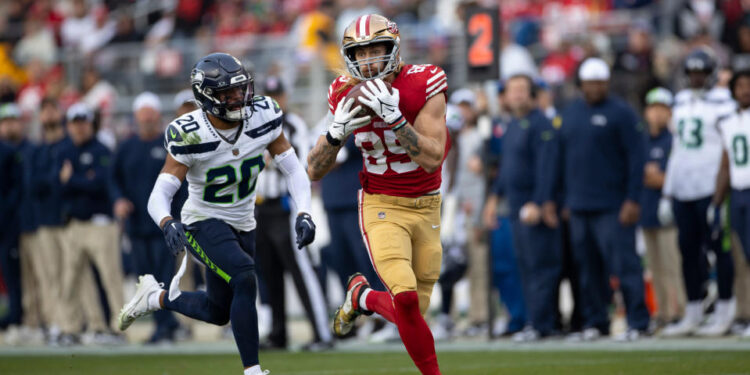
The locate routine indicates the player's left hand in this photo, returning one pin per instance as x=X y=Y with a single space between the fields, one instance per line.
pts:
x=305 y=229
x=381 y=101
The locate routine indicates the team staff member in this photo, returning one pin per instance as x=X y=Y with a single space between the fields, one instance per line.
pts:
x=275 y=253
x=20 y=220
x=84 y=166
x=400 y=200
x=662 y=254
x=48 y=208
x=735 y=174
x=602 y=148
x=136 y=166
x=527 y=144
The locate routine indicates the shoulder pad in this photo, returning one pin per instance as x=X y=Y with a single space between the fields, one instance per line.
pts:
x=430 y=77
x=267 y=116
x=186 y=135
x=335 y=91
x=265 y=105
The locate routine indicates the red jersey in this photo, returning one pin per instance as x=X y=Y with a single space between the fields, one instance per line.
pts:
x=387 y=168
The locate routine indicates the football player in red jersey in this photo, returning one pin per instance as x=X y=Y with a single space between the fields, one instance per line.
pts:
x=403 y=148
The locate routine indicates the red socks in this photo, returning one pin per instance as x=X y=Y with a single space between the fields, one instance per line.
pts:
x=381 y=303
x=414 y=332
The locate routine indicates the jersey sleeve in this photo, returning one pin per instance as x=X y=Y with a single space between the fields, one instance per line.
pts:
x=436 y=81
x=177 y=140
x=336 y=92
x=269 y=119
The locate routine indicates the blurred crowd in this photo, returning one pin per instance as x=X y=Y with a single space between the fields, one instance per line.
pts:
x=81 y=126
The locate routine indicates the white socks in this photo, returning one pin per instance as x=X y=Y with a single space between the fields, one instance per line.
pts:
x=255 y=370
x=363 y=298
x=153 y=300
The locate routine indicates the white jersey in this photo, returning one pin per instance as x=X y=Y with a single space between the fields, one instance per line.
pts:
x=221 y=176
x=735 y=132
x=696 y=149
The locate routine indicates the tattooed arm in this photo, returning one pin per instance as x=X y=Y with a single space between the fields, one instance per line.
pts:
x=321 y=159
x=425 y=141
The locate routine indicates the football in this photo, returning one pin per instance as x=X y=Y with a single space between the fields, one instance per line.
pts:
x=356 y=92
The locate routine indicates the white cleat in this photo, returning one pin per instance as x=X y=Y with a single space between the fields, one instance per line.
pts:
x=138 y=306
x=719 y=323
x=688 y=324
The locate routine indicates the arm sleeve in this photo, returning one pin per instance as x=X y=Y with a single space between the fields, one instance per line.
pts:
x=160 y=200
x=633 y=142
x=546 y=149
x=296 y=179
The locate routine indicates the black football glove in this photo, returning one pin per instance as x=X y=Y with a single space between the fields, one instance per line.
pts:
x=305 y=229
x=174 y=234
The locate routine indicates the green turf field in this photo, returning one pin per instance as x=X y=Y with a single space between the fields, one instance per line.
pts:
x=463 y=363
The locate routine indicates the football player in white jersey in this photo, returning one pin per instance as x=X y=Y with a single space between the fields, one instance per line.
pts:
x=735 y=173
x=219 y=150
x=690 y=181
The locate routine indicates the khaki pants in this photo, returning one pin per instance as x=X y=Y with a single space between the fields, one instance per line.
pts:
x=86 y=243
x=741 y=279
x=47 y=260
x=478 y=274
x=664 y=261
x=30 y=284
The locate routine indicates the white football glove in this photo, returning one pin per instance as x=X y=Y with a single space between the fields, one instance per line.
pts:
x=344 y=122
x=664 y=211
x=382 y=102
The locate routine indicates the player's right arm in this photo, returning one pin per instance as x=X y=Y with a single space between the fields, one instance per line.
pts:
x=166 y=185
x=322 y=157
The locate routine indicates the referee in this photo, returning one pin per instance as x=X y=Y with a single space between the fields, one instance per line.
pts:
x=275 y=253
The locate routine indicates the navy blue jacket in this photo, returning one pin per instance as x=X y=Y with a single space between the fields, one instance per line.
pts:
x=10 y=188
x=87 y=191
x=601 y=155
x=529 y=146
x=46 y=185
x=137 y=165
x=26 y=215
x=340 y=185
x=657 y=150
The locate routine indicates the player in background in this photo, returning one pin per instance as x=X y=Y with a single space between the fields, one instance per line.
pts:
x=690 y=182
x=403 y=147
x=219 y=149
x=734 y=173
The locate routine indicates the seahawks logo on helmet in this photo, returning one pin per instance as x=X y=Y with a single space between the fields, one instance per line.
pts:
x=197 y=77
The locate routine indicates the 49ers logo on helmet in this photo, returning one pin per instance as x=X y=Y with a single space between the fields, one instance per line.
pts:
x=392 y=27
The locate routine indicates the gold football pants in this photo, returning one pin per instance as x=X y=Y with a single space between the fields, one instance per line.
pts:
x=402 y=236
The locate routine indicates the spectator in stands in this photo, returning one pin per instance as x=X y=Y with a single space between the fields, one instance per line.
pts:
x=632 y=70
x=275 y=253
x=38 y=43
x=90 y=236
x=100 y=96
x=601 y=164
x=528 y=142
x=137 y=164
x=663 y=256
